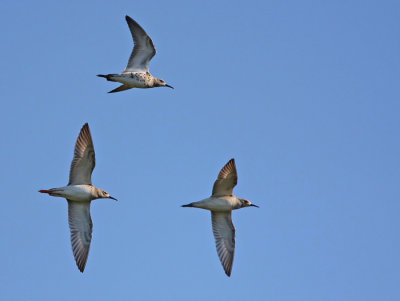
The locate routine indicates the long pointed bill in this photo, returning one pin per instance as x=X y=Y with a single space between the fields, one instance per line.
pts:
x=252 y=205
x=169 y=86
x=112 y=198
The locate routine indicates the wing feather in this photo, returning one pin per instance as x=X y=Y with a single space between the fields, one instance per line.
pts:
x=143 y=50
x=84 y=159
x=81 y=227
x=227 y=180
x=224 y=234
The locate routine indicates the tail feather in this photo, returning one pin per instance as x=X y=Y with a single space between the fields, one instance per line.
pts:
x=108 y=77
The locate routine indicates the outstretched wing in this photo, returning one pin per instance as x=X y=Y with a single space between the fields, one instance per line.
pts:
x=81 y=226
x=143 y=51
x=84 y=159
x=227 y=179
x=224 y=234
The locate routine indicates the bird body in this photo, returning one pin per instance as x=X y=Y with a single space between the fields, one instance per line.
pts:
x=136 y=73
x=132 y=79
x=221 y=203
x=79 y=193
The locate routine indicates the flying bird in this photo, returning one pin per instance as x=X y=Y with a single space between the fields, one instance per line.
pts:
x=136 y=73
x=79 y=193
x=221 y=203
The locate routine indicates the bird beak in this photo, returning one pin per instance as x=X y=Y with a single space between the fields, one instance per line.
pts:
x=112 y=198
x=252 y=205
x=169 y=86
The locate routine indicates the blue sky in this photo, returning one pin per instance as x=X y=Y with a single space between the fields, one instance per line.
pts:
x=303 y=94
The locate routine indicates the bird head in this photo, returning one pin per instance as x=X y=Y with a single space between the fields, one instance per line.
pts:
x=247 y=203
x=160 y=83
x=105 y=195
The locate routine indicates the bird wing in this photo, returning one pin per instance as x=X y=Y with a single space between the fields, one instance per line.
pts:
x=120 y=88
x=81 y=226
x=143 y=51
x=224 y=234
x=227 y=179
x=84 y=159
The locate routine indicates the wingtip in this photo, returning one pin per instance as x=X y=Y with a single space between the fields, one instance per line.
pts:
x=85 y=126
x=228 y=270
x=81 y=266
x=231 y=163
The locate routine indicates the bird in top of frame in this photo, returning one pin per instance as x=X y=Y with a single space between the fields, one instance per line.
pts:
x=136 y=73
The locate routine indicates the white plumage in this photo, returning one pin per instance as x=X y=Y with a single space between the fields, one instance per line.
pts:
x=221 y=203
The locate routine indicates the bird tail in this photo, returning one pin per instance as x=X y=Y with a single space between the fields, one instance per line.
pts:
x=109 y=77
x=52 y=191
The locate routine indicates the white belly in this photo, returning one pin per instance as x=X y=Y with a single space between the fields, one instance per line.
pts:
x=216 y=204
x=80 y=193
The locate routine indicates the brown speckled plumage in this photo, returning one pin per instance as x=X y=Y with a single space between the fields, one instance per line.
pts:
x=136 y=73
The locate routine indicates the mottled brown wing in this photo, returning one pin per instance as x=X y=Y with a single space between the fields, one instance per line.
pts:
x=226 y=181
x=84 y=159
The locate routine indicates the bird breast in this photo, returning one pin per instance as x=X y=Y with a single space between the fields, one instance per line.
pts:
x=79 y=193
x=222 y=203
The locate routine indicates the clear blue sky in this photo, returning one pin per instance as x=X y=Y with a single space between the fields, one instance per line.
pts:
x=303 y=94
